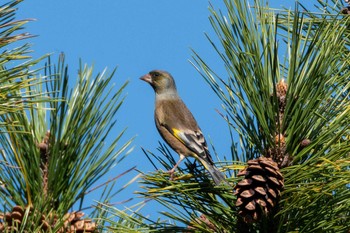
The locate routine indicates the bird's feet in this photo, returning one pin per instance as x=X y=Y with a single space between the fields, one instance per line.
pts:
x=171 y=173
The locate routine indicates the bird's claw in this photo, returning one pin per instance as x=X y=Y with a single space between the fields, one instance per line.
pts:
x=171 y=173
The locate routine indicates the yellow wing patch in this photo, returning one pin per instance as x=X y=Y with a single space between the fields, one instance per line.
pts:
x=177 y=133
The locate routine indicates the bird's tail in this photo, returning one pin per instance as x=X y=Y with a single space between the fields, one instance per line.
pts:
x=217 y=175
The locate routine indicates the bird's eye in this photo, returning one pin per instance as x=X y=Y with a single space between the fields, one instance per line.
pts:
x=155 y=75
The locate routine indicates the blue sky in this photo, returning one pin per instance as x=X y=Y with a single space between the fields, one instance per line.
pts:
x=135 y=36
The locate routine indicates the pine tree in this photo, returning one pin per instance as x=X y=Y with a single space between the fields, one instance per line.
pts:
x=286 y=100
x=53 y=138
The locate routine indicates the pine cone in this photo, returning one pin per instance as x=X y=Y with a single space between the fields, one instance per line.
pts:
x=281 y=92
x=74 y=224
x=260 y=189
x=11 y=222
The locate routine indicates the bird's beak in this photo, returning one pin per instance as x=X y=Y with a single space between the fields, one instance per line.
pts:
x=147 y=78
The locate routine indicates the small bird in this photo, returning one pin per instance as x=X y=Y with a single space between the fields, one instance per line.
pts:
x=176 y=124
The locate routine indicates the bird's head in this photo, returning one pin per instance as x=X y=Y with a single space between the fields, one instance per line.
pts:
x=161 y=81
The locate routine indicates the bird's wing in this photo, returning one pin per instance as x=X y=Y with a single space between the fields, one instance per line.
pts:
x=175 y=117
x=193 y=140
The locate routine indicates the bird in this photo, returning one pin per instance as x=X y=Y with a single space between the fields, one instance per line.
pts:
x=177 y=126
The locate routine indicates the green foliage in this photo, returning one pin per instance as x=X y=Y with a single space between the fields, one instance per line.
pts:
x=15 y=62
x=191 y=195
x=76 y=155
x=54 y=147
x=317 y=194
x=80 y=125
x=130 y=220
x=315 y=67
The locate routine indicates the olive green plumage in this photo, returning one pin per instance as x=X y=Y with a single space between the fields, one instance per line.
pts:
x=176 y=124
